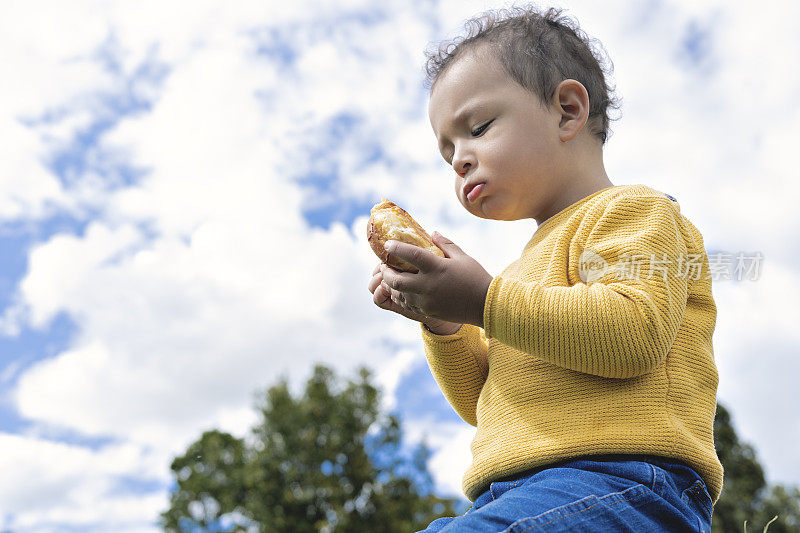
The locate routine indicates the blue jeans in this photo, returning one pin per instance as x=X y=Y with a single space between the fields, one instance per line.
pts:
x=607 y=493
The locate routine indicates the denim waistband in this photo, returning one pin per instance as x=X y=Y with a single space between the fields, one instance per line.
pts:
x=671 y=465
x=673 y=492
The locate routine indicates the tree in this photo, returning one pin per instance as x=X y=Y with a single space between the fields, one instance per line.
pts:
x=745 y=494
x=327 y=461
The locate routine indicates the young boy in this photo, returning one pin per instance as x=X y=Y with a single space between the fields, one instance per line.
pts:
x=587 y=365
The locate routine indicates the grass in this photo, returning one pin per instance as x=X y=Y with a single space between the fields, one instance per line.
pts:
x=765 y=527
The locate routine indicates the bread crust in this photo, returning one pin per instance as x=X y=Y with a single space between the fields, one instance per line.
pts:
x=388 y=221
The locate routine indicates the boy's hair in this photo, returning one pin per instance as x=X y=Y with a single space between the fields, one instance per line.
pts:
x=539 y=51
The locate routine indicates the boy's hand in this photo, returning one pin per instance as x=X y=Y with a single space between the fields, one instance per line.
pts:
x=389 y=299
x=451 y=289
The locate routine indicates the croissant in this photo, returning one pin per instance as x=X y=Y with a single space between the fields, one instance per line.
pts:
x=387 y=221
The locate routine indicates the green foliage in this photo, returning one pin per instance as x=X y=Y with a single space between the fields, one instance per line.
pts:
x=745 y=494
x=327 y=461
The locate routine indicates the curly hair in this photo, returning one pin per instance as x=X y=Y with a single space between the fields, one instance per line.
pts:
x=538 y=50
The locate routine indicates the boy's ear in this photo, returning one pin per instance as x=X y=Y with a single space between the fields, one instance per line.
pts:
x=572 y=101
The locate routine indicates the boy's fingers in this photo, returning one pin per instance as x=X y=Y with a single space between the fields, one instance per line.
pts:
x=374 y=282
x=376 y=279
x=385 y=288
x=419 y=257
x=384 y=299
x=401 y=281
x=380 y=296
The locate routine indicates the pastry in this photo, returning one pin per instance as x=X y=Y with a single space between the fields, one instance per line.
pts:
x=387 y=221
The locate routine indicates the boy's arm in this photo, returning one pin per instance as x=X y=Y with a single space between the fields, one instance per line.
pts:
x=459 y=365
x=618 y=326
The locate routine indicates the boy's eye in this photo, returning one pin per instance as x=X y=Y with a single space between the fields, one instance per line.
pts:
x=481 y=129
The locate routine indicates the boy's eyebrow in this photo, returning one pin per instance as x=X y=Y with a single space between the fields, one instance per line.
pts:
x=465 y=111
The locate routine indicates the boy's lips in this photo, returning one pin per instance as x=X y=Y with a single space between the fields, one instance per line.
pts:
x=473 y=190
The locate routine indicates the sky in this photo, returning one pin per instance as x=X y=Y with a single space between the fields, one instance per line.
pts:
x=184 y=191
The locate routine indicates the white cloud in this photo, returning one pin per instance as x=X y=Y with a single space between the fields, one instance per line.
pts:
x=389 y=376
x=450 y=443
x=202 y=281
x=755 y=346
x=25 y=185
x=44 y=75
x=48 y=484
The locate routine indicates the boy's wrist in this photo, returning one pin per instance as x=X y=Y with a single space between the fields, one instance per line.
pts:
x=442 y=329
x=480 y=304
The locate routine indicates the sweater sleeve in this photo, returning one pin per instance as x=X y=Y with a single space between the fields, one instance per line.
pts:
x=459 y=365
x=618 y=323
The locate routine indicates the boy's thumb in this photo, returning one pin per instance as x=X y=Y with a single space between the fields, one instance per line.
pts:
x=446 y=244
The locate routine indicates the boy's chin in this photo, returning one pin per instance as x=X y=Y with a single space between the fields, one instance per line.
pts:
x=482 y=210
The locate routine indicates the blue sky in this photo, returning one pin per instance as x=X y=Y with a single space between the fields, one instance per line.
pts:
x=183 y=197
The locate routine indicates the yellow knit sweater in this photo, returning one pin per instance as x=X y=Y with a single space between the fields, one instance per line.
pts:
x=575 y=360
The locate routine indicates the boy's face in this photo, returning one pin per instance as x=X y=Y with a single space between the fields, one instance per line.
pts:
x=505 y=138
